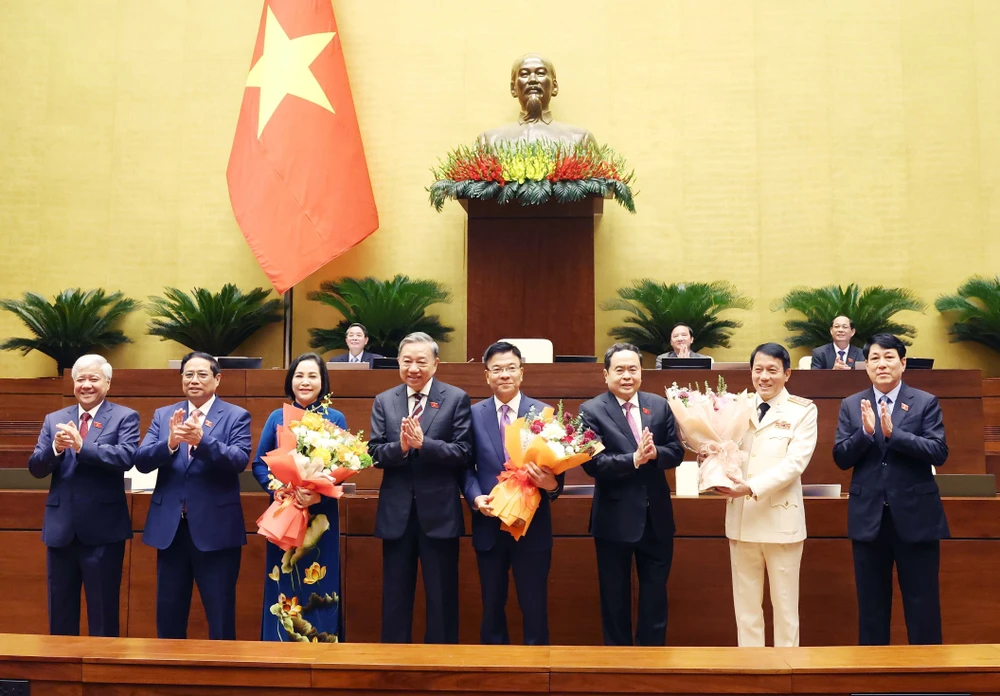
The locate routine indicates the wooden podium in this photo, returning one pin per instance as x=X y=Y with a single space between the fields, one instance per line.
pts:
x=530 y=271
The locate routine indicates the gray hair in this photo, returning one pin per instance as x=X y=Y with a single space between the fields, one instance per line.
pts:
x=419 y=337
x=92 y=360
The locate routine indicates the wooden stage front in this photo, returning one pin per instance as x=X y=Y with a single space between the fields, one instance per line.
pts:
x=61 y=666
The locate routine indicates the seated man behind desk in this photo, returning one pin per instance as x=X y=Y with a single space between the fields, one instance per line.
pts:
x=356 y=339
x=681 y=338
x=86 y=514
x=839 y=355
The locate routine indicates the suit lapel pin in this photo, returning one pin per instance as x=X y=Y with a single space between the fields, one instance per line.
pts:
x=208 y=424
x=645 y=411
x=435 y=404
x=98 y=424
x=850 y=361
x=905 y=406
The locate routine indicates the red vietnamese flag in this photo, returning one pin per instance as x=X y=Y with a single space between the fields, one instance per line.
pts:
x=297 y=176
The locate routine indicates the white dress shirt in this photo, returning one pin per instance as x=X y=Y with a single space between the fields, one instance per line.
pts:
x=514 y=404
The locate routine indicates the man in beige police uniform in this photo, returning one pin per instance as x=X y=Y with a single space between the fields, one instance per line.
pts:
x=765 y=522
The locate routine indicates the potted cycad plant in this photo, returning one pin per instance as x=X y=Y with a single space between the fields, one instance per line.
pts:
x=389 y=309
x=75 y=323
x=976 y=305
x=215 y=323
x=872 y=310
x=654 y=308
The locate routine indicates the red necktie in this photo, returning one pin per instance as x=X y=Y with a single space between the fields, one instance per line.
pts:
x=84 y=425
x=631 y=421
x=418 y=405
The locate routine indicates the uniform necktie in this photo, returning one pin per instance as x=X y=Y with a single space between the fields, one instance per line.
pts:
x=762 y=411
x=630 y=419
x=418 y=405
x=84 y=425
x=504 y=422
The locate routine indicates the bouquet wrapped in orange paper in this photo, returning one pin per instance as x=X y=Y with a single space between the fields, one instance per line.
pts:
x=312 y=453
x=711 y=424
x=553 y=439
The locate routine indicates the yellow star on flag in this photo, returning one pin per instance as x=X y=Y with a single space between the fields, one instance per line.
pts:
x=283 y=68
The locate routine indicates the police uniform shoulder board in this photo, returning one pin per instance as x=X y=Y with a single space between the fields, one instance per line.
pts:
x=800 y=400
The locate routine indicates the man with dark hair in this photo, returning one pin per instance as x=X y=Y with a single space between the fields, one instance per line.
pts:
x=421 y=438
x=681 y=338
x=839 y=355
x=765 y=520
x=497 y=552
x=198 y=448
x=894 y=514
x=356 y=339
x=631 y=516
x=86 y=513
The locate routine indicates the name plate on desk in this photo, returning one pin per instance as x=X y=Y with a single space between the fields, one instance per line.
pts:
x=821 y=490
x=967 y=485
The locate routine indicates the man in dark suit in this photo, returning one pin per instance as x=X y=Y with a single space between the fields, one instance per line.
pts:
x=631 y=514
x=496 y=550
x=421 y=438
x=356 y=339
x=86 y=515
x=894 y=514
x=198 y=447
x=839 y=355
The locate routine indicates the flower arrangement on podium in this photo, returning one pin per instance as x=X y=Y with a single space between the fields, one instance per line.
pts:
x=553 y=438
x=312 y=453
x=712 y=424
x=532 y=173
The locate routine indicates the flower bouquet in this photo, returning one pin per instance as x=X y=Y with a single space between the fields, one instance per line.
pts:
x=312 y=453
x=712 y=424
x=532 y=173
x=554 y=439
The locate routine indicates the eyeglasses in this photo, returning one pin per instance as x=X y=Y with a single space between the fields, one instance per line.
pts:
x=508 y=369
x=200 y=376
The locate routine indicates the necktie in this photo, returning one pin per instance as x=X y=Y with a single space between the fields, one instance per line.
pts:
x=762 y=411
x=841 y=354
x=505 y=411
x=885 y=401
x=84 y=425
x=355 y=358
x=630 y=419
x=418 y=405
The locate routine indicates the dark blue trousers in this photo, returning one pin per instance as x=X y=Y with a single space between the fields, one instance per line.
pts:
x=99 y=570
x=439 y=568
x=917 y=566
x=178 y=567
x=531 y=582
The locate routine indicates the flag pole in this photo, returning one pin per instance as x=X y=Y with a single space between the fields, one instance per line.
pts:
x=287 y=338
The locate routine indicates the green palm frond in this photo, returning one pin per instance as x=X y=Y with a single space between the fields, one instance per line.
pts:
x=389 y=309
x=977 y=304
x=75 y=323
x=872 y=311
x=215 y=323
x=654 y=308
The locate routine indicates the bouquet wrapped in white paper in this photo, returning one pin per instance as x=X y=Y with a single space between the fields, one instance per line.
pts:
x=711 y=424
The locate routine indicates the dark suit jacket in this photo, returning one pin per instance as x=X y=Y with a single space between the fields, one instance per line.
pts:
x=432 y=475
x=87 y=494
x=488 y=461
x=622 y=492
x=207 y=481
x=824 y=356
x=897 y=470
x=365 y=357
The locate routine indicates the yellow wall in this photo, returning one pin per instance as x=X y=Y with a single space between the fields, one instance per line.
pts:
x=777 y=143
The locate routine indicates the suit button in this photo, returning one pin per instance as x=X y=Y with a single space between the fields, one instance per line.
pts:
x=883 y=464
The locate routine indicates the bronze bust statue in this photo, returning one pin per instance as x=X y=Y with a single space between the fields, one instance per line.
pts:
x=533 y=82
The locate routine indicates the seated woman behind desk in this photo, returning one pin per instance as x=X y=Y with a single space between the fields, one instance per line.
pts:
x=298 y=580
x=681 y=339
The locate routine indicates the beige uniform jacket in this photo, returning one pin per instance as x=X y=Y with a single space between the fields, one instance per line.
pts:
x=778 y=450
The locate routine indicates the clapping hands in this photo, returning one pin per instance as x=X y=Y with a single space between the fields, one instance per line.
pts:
x=647 y=449
x=183 y=430
x=411 y=435
x=67 y=437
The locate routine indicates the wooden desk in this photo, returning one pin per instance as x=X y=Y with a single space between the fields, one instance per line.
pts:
x=62 y=666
